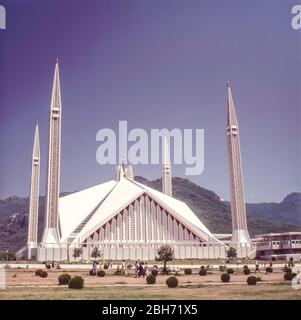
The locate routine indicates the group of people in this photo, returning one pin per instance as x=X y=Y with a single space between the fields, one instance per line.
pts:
x=53 y=265
x=141 y=269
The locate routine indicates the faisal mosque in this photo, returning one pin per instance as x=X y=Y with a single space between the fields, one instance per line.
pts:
x=122 y=217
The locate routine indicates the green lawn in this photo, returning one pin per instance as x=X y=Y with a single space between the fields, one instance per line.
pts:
x=277 y=291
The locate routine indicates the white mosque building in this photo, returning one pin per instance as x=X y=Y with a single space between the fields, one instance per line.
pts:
x=122 y=217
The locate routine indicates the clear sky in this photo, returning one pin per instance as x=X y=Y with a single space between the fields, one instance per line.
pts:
x=156 y=64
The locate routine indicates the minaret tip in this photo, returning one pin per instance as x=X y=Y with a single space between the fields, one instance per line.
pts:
x=228 y=83
x=57 y=59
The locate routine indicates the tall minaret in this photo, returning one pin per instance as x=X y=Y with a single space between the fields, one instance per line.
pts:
x=240 y=232
x=34 y=195
x=166 y=170
x=51 y=229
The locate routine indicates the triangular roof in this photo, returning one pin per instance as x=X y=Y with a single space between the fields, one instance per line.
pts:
x=111 y=198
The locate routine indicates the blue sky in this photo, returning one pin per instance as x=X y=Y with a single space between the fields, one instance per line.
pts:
x=155 y=64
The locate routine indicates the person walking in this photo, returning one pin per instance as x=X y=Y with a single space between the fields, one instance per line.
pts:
x=146 y=270
x=137 y=264
x=141 y=271
x=94 y=268
x=123 y=267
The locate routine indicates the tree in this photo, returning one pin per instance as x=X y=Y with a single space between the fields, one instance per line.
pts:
x=77 y=252
x=165 y=254
x=231 y=253
x=95 y=253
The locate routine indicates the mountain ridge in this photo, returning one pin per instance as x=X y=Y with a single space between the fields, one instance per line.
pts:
x=207 y=205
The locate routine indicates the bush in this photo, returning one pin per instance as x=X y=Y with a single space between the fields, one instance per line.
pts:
x=91 y=272
x=64 y=278
x=230 y=271
x=289 y=276
x=43 y=274
x=188 y=271
x=101 y=273
x=151 y=279
x=105 y=266
x=273 y=258
x=203 y=272
x=246 y=266
x=38 y=272
x=269 y=270
x=287 y=269
x=225 y=277
x=118 y=273
x=155 y=272
x=252 y=281
x=247 y=271
x=76 y=283
x=48 y=266
x=172 y=282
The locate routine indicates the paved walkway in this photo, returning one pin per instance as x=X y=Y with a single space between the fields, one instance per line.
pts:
x=175 y=266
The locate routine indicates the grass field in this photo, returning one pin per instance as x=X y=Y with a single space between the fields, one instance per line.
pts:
x=23 y=284
x=275 y=291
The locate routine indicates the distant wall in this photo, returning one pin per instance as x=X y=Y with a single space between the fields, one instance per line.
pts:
x=141 y=251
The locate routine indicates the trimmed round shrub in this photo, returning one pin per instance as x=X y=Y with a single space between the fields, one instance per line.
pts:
x=151 y=279
x=105 y=266
x=203 y=272
x=76 y=282
x=101 y=273
x=91 y=272
x=287 y=269
x=38 y=272
x=44 y=274
x=48 y=266
x=155 y=272
x=188 y=271
x=64 y=278
x=273 y=258
x=246 y=266
x=118 y=273
x=289 y=276
x=225 y=277
x=247 y=271
x=252 y=281
x=269 y=269
x=172 y=282
x=230 y=270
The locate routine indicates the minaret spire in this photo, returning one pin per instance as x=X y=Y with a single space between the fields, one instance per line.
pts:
x=34 y=196
x=166 y=169
x=51 y=229
x=238 y=210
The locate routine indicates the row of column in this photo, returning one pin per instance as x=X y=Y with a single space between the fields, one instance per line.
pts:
x=143 y=220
